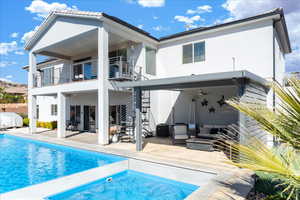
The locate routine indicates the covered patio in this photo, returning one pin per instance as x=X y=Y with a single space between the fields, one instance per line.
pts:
x=199 y=104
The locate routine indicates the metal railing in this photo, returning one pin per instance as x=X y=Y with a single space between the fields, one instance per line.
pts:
x=119 y=70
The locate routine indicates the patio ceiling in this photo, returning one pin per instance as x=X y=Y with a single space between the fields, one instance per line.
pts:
x=194 y=81
x=79 y=45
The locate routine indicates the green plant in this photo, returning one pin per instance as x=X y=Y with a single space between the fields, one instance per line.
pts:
x=282 y=162
x=25 y=121
x=49 y=125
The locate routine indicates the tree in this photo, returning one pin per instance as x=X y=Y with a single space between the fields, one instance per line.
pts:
x=282 y=161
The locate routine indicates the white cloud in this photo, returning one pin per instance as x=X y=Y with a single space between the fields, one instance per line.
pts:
x=141 y=26
x=189 y=21
x=160 y=28
x=14 y=35
x=155 y=17
x=28 y=35
x=9 y=76
x=42 y=8
x=5 y=80
x=240 y=9
x=151 y=3
x=199 y=10
x=19 y=52
x=7 y=63
x=8 y=47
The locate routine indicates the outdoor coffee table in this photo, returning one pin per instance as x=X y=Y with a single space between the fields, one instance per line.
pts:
x=200 y=144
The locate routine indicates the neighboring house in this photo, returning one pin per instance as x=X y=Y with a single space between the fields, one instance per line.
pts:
x=183 y=78
x=15 y=97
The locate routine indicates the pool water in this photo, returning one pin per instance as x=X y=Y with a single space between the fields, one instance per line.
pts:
x=129 y=185
x=25 y=162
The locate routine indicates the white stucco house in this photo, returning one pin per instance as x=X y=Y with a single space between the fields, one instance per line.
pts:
x=103 y=71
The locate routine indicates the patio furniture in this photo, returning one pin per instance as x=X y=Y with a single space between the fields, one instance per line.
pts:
x=200 y=144
x=179 y=133
x=72 y=125
x=162 y=130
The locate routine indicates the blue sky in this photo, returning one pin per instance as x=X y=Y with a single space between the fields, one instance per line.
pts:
x=18 y=19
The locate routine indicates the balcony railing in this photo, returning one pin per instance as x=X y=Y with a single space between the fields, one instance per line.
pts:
x=119 y=70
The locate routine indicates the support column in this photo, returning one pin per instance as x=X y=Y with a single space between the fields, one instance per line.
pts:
x=138 y=119
x=61 y=115
x=103 y=98
x=31 y=98
x=32 y=108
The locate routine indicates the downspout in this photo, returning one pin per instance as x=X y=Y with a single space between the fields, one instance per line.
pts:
x=274 y=77
x=274 y=67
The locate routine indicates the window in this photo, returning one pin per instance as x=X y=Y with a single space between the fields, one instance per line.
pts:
x=199 y=52
x=187 y=54
x=53 y=109
x=118 y=52
x=84 y=71
x=118 y=114
x=75 y=114
x=37 y=111
x=193 y=52
x=47 y=76
x=150 y=61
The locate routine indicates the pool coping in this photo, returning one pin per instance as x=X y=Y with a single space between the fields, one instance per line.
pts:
x=212 y=188
x=51 y=187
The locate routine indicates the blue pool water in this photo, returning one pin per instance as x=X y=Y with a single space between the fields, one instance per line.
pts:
x=129 y=185
x=26 y=162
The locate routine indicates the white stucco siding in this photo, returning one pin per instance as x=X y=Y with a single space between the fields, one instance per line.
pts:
x=250 y=45
x=44 y=103
x=177 y=107
x=65 y=28
x=279 y=60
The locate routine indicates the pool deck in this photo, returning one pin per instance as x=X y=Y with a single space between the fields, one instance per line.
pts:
x=231 y=182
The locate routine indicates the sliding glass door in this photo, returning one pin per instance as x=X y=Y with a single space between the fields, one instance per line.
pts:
x=84 y=71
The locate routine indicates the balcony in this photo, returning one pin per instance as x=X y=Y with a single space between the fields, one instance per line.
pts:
x=119 y=70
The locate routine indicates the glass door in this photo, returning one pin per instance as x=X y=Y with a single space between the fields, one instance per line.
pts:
x=77 y=72
x=89 y=118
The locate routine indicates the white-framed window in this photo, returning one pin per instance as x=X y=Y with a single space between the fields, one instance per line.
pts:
x=53 y=109
x=193 y=52
x=84 y=69
x=150 y=61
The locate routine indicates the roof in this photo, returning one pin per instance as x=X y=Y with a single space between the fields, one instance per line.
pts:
x=16 y=90
x=101 y=15
x=201 y=80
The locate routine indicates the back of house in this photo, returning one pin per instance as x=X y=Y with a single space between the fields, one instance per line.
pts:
x=93 y=55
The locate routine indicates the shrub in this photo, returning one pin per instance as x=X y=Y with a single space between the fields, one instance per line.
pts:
x=26 y=121
x=23 y=115
x=49 y=125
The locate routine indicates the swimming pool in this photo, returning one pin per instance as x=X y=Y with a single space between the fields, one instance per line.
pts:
x=129 y=185
x=25 y=162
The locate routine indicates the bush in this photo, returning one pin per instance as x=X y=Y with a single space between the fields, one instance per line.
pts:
x=26 y=121
x=49 y=125
x=23 y=115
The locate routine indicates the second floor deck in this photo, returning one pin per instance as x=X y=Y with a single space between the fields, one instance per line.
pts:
x=120 y=69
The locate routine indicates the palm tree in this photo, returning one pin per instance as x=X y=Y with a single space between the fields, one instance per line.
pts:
x=282 y=161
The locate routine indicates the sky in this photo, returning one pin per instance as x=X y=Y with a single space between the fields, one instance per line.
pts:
x=20 y=18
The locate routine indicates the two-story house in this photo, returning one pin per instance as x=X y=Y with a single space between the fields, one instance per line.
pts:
x=104 y=71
